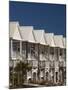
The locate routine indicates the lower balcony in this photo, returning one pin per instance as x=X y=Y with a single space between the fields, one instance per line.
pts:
x=61 y=58
x=17 y=55
x=43 y=57
x=33 y=63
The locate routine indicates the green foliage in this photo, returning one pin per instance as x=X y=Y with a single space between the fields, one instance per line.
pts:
x=21 y=66
x=19 y=73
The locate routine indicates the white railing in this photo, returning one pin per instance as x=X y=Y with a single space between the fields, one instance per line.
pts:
x=52 y=57
x=42 y=64
x=61 y=58
x=47 y=65
x=31 y=57
x=23 y=54
x=15 y=55
x=35 y=63
x=43 y=57
x=41 y=74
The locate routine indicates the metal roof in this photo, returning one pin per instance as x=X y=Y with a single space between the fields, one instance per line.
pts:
x=39 y=36
x=50 y=39
x=58 y=39
x=14 y=30
x=27 y=33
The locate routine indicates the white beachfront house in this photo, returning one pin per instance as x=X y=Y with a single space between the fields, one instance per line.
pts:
x=45 y=52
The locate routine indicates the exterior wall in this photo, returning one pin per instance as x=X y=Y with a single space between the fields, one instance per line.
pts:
x=48 y=61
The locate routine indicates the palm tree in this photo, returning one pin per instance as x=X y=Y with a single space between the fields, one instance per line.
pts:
x=21 y=71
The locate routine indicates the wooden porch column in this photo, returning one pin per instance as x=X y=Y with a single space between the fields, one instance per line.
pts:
x=36 y=76
x=58 y=76
x=45 y=75
x=26 y=59
x=11 y=47
x=64 y=66
x=38 y=63
x=26 y=50
x=21 y=49
x=11 y=53
x=58 y=65
x=13 y=75
x=54 y=77
x=49 y=63
x=58 y=54
x=48 y=53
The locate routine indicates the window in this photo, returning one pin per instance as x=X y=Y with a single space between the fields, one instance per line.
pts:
x=42 y=51
x=56 y=76
x=46 y=50
x=61 y=52
x=46 y=76
x=16 y=45
x=33 y=49
x=42 y=78
x=56 y=54
x=23 y=47
x=56 y=51
x=52 y=51
x=65 y=53
x=34 y=76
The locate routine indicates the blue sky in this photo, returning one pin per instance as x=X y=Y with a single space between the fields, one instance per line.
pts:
x=50 y=17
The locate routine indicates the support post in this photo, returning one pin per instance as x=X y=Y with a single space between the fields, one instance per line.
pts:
x=49 y=63
x=54 y=77
x=38 y=63
x=21 y=49
x=11 y=46
x=13 y=75
x=26 y=50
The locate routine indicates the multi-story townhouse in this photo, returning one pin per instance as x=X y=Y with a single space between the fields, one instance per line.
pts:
x=59 y=42
x=45 y=52
x=51 y=58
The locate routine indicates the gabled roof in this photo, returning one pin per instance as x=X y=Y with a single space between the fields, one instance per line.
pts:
x=58 y=39
x=39 y=36
x=64 y=42
x=50 y=39
x=27 y=33
x=14 y=30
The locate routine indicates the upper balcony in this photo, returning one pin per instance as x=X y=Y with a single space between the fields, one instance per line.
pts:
x=31 y=57
x=43 y=53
